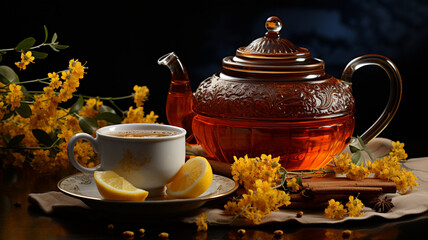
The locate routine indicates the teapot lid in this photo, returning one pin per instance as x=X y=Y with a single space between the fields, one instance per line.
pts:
x=273 y=55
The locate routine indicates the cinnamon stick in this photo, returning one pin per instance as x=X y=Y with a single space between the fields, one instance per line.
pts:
x=345 y=190
x=318 y=191
x=387 y=186
x=221 y=168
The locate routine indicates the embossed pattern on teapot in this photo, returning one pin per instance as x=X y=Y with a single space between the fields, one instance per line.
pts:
x=259 y=100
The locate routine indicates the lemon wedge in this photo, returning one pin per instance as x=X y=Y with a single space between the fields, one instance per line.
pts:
x=114 y=187
x=193 y=179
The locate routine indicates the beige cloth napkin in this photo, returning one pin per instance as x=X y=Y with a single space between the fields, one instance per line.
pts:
x=414 y=202
x=53 y=201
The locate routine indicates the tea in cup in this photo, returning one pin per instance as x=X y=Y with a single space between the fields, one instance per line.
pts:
x=147 y=155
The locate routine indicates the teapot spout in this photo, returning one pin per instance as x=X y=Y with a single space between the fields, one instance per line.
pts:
x=178 y=71
x=179 y=101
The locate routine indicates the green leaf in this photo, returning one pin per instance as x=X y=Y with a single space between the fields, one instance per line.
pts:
x=54 y=135
x=105 y=108
x=24 y=110
x=26 y=93
x=77 y=106
x=42 y=137
x=15 y=141
x=7 y=75
x=88 y=125
x=365 y=148
x=300 y=180
x=58 y=46
x=109 y=117
x=353 y=149
x=53 y=48
x=356 y=145
x=8 y=113
x=25 y=44
x=357 y=157
x=54 y=38
x=46 y=33
x=39 y=55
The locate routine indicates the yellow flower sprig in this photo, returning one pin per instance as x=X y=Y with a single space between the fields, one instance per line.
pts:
x=258 y=203
x=335 y=209
x=34 y=126
x=247 y=170
x=388 y=167
x=26 y=59
x=259 y=176
x=202 y=222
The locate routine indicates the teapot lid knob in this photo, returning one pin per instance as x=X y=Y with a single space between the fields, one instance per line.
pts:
x=273 y=24
x=272 y=46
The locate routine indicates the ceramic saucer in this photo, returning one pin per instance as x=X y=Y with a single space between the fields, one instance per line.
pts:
x=82 y=186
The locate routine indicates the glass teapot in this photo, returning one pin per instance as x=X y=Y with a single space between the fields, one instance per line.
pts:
x=274 y=98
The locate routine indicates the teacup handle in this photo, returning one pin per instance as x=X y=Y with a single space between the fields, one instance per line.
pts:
x=395 y=90
x=70 y=151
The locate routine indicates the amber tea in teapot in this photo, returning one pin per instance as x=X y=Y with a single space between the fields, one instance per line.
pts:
x=274 y=98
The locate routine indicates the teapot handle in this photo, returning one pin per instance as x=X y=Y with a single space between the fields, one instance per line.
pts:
x=395 y=90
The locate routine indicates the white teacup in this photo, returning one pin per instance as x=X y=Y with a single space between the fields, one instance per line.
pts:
x=148 y=162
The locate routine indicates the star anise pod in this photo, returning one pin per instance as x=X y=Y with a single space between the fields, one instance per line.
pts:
x=381 y=205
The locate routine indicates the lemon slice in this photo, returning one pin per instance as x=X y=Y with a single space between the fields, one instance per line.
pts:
x=114 y=187
x=193 y=179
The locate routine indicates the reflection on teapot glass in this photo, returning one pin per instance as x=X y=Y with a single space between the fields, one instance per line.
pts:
x=273 y=98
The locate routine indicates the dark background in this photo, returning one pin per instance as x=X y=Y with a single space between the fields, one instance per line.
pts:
x=121 y=42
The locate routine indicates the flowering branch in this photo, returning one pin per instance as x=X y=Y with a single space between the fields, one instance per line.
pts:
x=110 y=99
x=28 y=44
x=35 y=128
